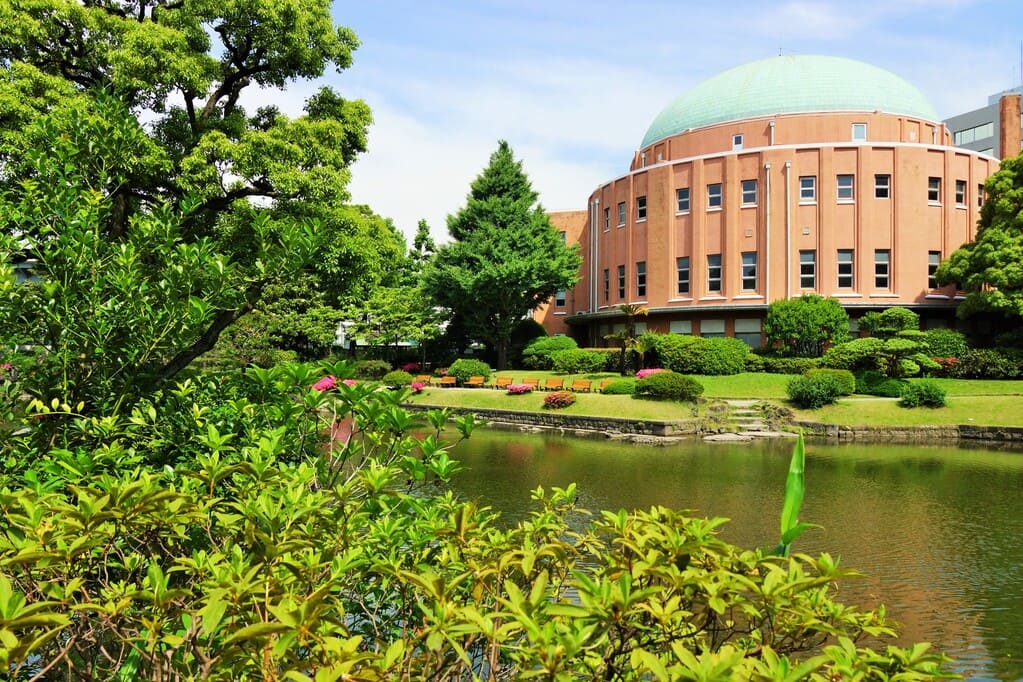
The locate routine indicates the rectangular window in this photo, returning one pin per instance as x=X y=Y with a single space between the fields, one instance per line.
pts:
x=680 y=327
x=845 y=268
x=859 y=132
x=960 y=193
x=882 y=269
x=749 y=192
x=682 y=198
x=748 y=331
x=640 y=208
x=621 y=281
x=712 y=329
x=882 y=186
x=714 y=195
x=845 y=188
x=607 y=285
x=808 y=188
x=736 y=141
x=807 y=269
x=607 y=219
x=564 y=237
x=933 y=261
x=641 y=279
x=749 y=271
x=682 y=264
x=934 y=190
x=621 y=213
x=980 y=196
x=714 y=272
x=559 y=299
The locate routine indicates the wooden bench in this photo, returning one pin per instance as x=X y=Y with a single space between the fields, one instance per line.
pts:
x=502 y=382
x=580 y=385
x=447 y=382
x=424 y=379
x=553 y=384
x=531 y=381
x=475 y=381
x=604 y=383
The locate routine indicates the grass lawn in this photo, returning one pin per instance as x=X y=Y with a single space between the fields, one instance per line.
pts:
x=983 y=410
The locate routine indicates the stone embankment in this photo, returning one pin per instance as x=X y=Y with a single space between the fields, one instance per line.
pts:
x=911 y=434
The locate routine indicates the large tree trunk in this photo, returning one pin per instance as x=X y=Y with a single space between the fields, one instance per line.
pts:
x=502 y=354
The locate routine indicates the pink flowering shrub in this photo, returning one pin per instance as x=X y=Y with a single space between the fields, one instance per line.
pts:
x=410 y=367
x=326 y=383
x=519 y=389
x=556 y=401
x=647 y=372
x=350 y=382
x=417 y=386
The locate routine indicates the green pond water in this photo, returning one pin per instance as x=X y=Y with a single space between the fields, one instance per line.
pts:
x=936 y=531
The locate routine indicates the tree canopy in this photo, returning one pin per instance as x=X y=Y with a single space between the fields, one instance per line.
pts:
x=990 y=268
x=506 y=258
x=803 y=326
x=159 y=211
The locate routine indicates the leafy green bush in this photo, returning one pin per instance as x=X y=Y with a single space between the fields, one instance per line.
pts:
x=466 y=367
x=669 y=386
x=578 y=361
x=868 y=380
x=722 y=356
x=776 y=365
x=371 y=369
x=397 y=378
x=984 y=363
x=811 y=392
x=923 y=394
x=846 y=379
x=755 y=363
x=889 y=322
x=620 y=387
x=890 y=388
x=558 y=400
x=804 y=326
x=856 y=355
x=537 y=354
x=680 y=353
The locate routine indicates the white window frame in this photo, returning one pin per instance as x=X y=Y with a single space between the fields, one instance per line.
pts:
x=882 y=186
x=845 y=187
x=607 y=218
x=737 y=140
x=683 y=285
x=715 y=192
x=846 y=268
x=961 y=193
x=748 y=276
x=621 y=282
x=933 y=261
x=621 y=214
x=641 y=209
x=714 y=272
x=807 y=268
x=934 y=190
x=859 y=132
x=749 y=192
x=807 y=189
x=882 y=268
x=641 y=279
x=682 y=195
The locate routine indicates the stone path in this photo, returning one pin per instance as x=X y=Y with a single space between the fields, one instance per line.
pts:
x=748 y=425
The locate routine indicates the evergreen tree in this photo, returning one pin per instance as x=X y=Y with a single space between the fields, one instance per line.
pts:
x=506 y=258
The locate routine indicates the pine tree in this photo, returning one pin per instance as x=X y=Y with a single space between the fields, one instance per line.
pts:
x=506 y=258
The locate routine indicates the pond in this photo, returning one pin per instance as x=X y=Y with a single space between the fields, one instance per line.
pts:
x=936 y=531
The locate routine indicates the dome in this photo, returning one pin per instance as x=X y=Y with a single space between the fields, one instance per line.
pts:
x=789 y=84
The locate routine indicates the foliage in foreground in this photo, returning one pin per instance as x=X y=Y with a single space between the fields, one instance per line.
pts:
x=251 y=557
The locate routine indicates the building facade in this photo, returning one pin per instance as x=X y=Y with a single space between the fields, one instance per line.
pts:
x=790 y=175
x=996 y=129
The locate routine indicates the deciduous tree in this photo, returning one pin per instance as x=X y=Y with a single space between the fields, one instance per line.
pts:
x=804 y=326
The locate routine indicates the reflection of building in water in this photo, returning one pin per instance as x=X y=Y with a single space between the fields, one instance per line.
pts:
x=790 y=175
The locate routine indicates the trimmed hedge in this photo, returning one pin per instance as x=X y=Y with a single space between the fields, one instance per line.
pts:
x=578 y=361
x=697 y=355
x=397 y=378
x=371 y=369
x=846 y=379
x=858 y=354
x=467 y=367
x=620 y=387
x=813 y=391
x=669 y=386
x=923 y=394
x=537 y=355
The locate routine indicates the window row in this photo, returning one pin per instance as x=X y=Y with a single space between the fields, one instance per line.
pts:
x=845 y=260
x=845 y=191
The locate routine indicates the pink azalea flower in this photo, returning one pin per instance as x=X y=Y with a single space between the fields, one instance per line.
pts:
x=349 y=382
x=418 y=386
x=325 y=384
x=647 y=372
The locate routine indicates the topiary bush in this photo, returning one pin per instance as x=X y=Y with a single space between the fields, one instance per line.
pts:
x=577 y=361
x=398 y=377
x=723 y=356
x=845 y=378
x=558 y=400
x=620 y=387
x=537 y=354
x=811 y=392
x=669 y=386
x=467 y=367
x=855 y=355
x=371 y=369
x=923 y=394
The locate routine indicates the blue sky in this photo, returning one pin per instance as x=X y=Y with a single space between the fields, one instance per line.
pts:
x=573 y=85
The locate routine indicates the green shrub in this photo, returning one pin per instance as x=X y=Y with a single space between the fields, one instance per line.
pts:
x=755 y=363
x=984 y=363
x=680 y=352
x=467 y=367
x=669 y=386
x=620 y=387
x=889 y=322
x=537 y=354
x=371 y=369
x=868 y=380
x=846 y=379
x=923 y=394
x=776 y=365
x=722 y=356
x=397 y=378
x=578 y=361
x=558 y=400
x=890 y=388
x=811 y=392
x=855 y=355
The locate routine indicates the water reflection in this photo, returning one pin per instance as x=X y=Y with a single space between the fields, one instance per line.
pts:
x=934 y=530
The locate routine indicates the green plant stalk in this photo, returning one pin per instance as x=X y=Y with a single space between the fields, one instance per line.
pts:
x=795 y=488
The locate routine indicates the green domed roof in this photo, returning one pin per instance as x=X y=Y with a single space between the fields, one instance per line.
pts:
x=790 y=84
